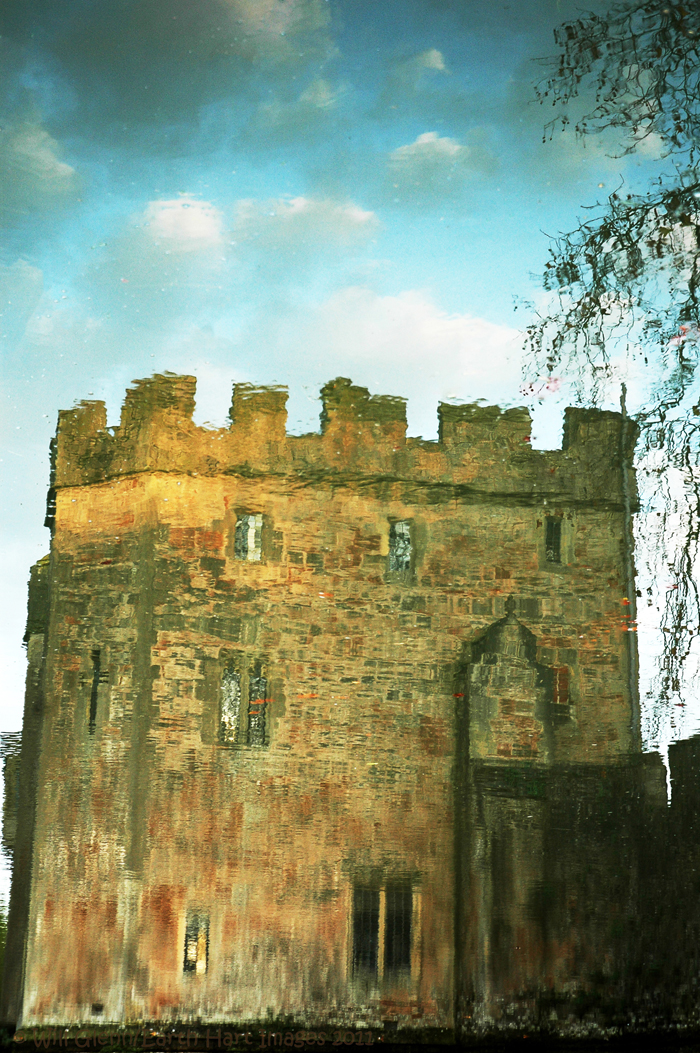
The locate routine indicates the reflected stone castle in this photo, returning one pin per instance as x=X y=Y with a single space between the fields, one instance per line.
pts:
x=336 y=728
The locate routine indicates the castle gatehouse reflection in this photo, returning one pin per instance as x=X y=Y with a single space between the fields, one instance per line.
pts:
x=342 y=728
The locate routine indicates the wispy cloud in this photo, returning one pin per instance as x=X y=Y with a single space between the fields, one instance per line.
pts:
x=402 y=344
x=184 y=223
x=435 y=166
x=32 y=174
x=408 y=78
x=309 y=113
x=21 y=287
x=299 y=221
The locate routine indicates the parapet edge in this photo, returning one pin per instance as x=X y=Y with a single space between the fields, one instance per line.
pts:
x=361 y=433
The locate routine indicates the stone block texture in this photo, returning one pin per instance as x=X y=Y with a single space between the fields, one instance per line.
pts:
x=292 y=701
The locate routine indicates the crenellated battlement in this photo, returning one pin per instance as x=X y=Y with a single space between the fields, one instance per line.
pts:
x=282 y=691
x=481 y=450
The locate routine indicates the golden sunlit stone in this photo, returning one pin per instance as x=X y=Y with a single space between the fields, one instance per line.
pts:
x=299 y=703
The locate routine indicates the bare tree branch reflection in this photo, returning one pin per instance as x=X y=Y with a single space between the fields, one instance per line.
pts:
x=642 y=63
x=626 y=283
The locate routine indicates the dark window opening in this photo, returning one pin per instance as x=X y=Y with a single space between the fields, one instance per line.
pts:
x=552 y=544
x=96 y=680
x=365 y=930
x=97 y=1008
x=248 y=538
x=397 y=933
x=196 y=944
x=382 y=930
x=257 y=708
x=400 y=547
x=51 y=500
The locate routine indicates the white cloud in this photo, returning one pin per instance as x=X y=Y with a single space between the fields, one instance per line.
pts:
x=431 y=59
x=32 y=175
x=410 y=329
x=185 y=223
x=321 y=94
x=184 y=257
x=301 y=221
x=54 y=327
x=169 y=258
x=214 y=390
x=283 y=120
x=279 y=17
x=411 y=75
x=275 y=29
x=439 y=165
x=431 y=147
x=34 y=151
x=403 y=344
x=399 y=345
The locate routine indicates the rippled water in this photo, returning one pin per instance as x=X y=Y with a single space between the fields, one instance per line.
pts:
x=369 y=716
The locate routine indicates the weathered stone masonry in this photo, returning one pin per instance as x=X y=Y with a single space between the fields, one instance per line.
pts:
x=283 y=695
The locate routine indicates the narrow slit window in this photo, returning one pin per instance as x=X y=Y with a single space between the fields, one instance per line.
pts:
x=561 y=686
x=552 y=544
x=94 y=690
x=365 y=930
x=196 y=944
x=257 y=709
x=230 y=705
x=400 y=548
x=248 y=539
x=397 y=933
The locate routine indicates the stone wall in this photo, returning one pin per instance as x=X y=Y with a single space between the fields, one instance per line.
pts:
x=257 y=711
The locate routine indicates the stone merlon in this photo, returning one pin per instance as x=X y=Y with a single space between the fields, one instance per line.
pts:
x=482 y=452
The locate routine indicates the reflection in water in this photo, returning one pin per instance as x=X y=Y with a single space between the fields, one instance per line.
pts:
x=342 y=729
x=624 y=291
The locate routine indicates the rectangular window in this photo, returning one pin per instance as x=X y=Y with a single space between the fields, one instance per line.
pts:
x=365 y=930
x=397 y=938
x=243 y=705
x=230 y=705
x=400 y=548
x=99 y=676
x=248 y=539
x=382 y=930
x=95 y=657
x=552 y=544
x=257 y=708
x=196 y=943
